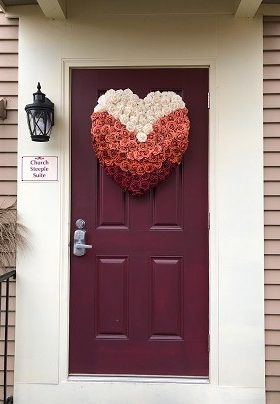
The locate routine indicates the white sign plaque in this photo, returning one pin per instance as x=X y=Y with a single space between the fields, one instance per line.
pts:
x=39 y=168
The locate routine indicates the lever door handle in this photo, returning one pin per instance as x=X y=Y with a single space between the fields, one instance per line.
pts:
x=79 y=247
x=86 y=246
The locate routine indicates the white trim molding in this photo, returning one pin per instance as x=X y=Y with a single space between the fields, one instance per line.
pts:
x=55 y=9
x=247 y=8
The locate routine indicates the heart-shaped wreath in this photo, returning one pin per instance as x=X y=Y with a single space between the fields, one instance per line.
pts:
x=139 y=141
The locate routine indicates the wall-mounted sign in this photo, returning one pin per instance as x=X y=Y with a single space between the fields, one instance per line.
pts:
x=39 y=168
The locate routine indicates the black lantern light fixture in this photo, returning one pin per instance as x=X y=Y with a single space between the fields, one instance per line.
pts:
x=40 y=116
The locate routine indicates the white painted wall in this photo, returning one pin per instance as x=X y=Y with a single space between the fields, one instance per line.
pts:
x=233 y=49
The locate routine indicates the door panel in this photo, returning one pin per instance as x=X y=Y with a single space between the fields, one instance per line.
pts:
x=139 y=298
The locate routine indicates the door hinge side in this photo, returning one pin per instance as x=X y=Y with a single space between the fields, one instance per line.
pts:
x=208 y=342
x=208 y=100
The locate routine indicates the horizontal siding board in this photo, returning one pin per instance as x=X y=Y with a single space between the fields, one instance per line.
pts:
x=272 y=368
x=8 y=21
x=271 y=115
x=271 y=188
x=272 y=262
x=272 y=397
x=8 y=32
x=8 y=132
x=272 y=307
x=271 y=72
x=271 y=58
x=272 y=383
x=272 y=202
x=8 y=74
x=271 y=28
x=269 y=100
x=8 y=188
x=272 y=353
x=272 y=292
x=272 y=322
x=11 y=333
x=7 y=46
x=9 y=60
x=12 y=118
x=11 y=318
x=271 y=130
x=8 y=173
x=272 y=233
x=10 y=362
x=8 y=145
x=272 y=277
x=271 y=144
x=271 y=43
x=271 y=218
x=10 y=377
x=8 y=88
x=271 y=86
x=272 y=338
x=271 y=159
x=8 y=160
x=11 y=347
x=6 y=201
x=12 y=102
x=272 y=173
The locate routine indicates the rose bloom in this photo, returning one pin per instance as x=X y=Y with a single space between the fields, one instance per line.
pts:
x=124 y=165
x=180 y=113
x=109 y=162
x=118 y=125
x=157 y=149
x=113 y=153
x=130 y=155
x=117 y=136
x=105 y=129
x=124 y=149
x=159 y=126
x=149 y=167
x=140 y=170
x=101 y=146
x=97 y=129
x=124 y=142
x=171 y=126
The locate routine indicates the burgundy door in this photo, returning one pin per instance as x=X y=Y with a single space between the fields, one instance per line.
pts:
x=139 y=298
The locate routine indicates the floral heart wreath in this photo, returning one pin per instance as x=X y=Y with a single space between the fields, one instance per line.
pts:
x=139 y=141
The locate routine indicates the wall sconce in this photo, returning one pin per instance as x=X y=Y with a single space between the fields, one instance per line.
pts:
x=3 y=108
x=40 y=116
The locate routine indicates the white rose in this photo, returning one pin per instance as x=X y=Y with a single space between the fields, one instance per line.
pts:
x=99 y=108
x=147 y=128
x=124 y=119
x=157 y=113
x=130 y=126
x=138 y=128
x=141 y=119
x=133 y=119
x=141 y=137
x=127 y=92
x=165 y=110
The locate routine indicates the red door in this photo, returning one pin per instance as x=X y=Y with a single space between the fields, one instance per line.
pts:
x=139 y=298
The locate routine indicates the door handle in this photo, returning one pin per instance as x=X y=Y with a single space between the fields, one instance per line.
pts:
x=79 y=247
